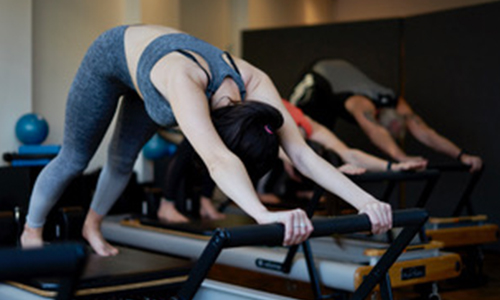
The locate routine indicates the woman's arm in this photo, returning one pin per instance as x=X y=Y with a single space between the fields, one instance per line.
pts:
x=363 y=112
x=183 y=85
x=355 y=157
x=313 y=166
x=429 y=137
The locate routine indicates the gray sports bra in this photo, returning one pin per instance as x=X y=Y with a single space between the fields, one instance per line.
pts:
x=156 y=106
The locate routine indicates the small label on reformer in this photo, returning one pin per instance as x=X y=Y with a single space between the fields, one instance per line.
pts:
x=268 y=264
x=413 y=272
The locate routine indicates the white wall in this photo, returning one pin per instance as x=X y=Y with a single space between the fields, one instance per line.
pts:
x=161 y=12
x=208 y=20
x=15 y=68
x=63 y=30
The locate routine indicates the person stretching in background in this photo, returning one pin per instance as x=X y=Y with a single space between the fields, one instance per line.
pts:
x=334 y=88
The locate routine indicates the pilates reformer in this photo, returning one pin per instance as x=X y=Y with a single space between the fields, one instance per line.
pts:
x=13 y=263
x=457 y=233
x=457 y=230
x=188 y=240
x=464 y=234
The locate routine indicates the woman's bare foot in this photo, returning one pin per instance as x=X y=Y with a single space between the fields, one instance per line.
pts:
x=208 y=211
x=32 y=237
x=92 y=233
x=169 y=213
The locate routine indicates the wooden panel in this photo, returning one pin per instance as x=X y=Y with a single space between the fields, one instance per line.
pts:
x=476 y=218
x=431 y=269
x=264 y=282
x=431 y=245
x=463 y=236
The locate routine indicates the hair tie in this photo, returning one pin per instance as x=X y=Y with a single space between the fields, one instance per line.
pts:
x=268 y=129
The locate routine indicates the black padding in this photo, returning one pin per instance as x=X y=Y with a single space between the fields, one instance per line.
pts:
x=130 y=266
x=244 y=233
x=272 y=234
x=452 y=62
x=8 y=229
x=55 y=260
x=395 y=176
x=449 y=166
x=200 y=227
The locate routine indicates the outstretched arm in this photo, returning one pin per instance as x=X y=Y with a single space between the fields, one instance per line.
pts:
x=429 y=137
x=364 y=112
x=316 y=168
x=355 y=157
x=184 y=87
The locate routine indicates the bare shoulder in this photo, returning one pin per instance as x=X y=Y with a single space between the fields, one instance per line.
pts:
x=176 y=69
x=359 y=104
x=248 y=71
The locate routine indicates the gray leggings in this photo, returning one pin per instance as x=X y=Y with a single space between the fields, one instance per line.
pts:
x=93 y=99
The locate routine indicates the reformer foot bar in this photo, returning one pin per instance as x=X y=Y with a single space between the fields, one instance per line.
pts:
x=430 y=177
x=68 y=262
x=271 y=235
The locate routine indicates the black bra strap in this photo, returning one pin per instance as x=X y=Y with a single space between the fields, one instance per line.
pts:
x=230 y=58
x=191 y=56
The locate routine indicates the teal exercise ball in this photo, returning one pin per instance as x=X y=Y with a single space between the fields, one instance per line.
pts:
x=157 y=148
x=32 y=129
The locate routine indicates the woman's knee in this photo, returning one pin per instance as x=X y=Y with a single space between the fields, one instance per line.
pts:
x=121 y=164
x=71 y=163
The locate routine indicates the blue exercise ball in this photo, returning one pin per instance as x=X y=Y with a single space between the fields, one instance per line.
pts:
x=32 y=129
x=157 y=148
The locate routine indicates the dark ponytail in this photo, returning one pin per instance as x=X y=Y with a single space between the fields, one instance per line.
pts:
x=248 y=129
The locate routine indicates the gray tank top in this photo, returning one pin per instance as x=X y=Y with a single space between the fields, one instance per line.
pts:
x=156 y=105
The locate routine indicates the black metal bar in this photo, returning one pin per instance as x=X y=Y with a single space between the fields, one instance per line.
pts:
x=430 y=176
x=388 y=191
x=65 y=261
x=465 y=199
x=426 y=192
x=203 y=265
x=394 y=176
x=9 y=157
x=311 y=207
x=272 y=235
x=386 y=261
x=311 y=269
x=385 y=288
x=449 y=166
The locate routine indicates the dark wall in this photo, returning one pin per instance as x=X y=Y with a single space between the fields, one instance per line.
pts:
x=452 y=65
x=285 y=53
x=447 y=63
